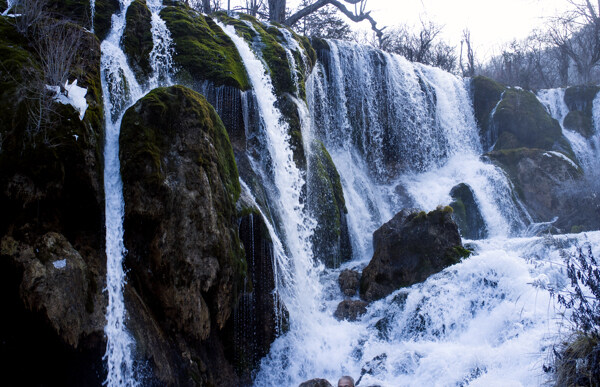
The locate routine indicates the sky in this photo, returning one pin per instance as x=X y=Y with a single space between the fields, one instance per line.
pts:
x=492 y=22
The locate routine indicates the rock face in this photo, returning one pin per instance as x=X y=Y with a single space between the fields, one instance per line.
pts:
x=351 y=310
x=137 y=39
x=466 y=213
x=331 y=241
x=580 y=101
x=52 y=262
x=349 y=281
x=316 y=383
x=258 y=316
x=408 y=249
x=186 y=262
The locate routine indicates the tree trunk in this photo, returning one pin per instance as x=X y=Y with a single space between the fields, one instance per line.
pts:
x=206 y=6
x=277 y=10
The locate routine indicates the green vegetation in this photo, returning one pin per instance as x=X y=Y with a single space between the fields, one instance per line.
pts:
x=203 y=52
x=579 y=122
x=331 y=240
x=486 y=95
x=137 y=38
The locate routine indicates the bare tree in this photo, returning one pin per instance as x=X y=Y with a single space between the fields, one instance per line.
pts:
x=422 y=46
x=277 y=9
x=468 y=68
x=577 y=35
x=28 y=13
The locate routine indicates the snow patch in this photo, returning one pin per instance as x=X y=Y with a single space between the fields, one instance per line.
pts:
x=60 y=264
x=75 y=96
x=560 y=155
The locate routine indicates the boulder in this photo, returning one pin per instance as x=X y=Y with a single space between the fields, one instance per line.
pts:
x=316 y=383
x=466 y=213
x=351 y=310
x=185 y=259
x=580 y=101
x=408 y=249
x=349 y=281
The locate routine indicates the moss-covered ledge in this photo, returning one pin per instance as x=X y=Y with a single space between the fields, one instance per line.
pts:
x=203 y=52
x=137 y=38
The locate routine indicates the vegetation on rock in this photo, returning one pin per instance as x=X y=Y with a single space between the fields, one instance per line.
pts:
x=137 y=38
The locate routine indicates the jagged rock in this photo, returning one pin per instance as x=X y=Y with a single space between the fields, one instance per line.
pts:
x=51 y=201
x=408 y=249
x=316 y=383
x=349 y=281
x=351 y=310
x=466 y=213
x=180 y=186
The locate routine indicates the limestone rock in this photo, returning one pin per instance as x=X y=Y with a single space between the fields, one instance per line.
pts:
x=408 y=249
x=180 y=185
x=349 y=281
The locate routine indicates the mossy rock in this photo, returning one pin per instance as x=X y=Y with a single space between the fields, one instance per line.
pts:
x=466 y=213
x=137 y=39
x=539 y=177
x=579 y=122
x=103 y=16
x=581 y=98
x=146 y=137
x=77 y=11
x=203 y=52
x=486 y=94
x=3 y=5
x=331 y=241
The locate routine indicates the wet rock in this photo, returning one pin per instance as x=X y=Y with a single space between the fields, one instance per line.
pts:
x=180 y=185
x=408 y=249
x=466 y=213
x=137 y=39
x=351 y=310
x=349 y=281
x=316 y=383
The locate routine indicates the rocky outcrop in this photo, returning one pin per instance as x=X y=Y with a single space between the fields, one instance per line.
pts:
x=137 y=39
x=350 y=310
x=259 y=316
x=349 y=281
x=331 y=241
x=51 y=229
x=580 y=101
x=408 y=249
x=316 y=383
x=466 y=213
x=186 y=262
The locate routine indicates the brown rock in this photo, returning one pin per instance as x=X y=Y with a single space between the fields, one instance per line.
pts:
x=408 y=249
x=349 y=281
x=351 y=310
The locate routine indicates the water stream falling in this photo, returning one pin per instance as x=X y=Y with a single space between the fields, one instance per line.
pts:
x=586 y=149
x=120 y=90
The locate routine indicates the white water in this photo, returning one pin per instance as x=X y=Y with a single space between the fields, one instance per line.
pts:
x=297 y=271
x=586 y=149
x=120 y=90
x=92 y=14
x=161 y=56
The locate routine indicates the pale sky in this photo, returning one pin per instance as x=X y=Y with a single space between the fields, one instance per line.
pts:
x=492 y=22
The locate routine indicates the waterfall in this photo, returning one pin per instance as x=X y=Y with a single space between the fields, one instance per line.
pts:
x=586 y=149
x=120 y=90
x=402 y=135
x=161 y=56
x=92 y=14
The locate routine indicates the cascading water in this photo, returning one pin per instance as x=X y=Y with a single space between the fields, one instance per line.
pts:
x=92 y=14
x=120 y=90
x=586 y=149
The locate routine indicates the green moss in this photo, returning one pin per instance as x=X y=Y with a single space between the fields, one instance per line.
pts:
x=137 y=38
x=522 y=121
x=486 y=95
x=3 y=5
x=147 y=136
x=577 y=229
x=461 y=252
x=203 y=52
x=581 y=98
x=103 y=16
x=78 y=11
